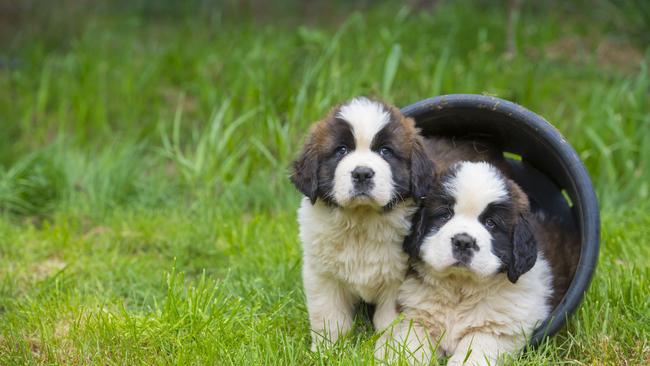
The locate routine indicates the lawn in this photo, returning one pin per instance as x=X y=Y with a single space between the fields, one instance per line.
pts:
x=145 y=212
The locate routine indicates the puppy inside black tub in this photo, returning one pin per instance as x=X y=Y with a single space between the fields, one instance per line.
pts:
x=482 y=275
x=494 y=247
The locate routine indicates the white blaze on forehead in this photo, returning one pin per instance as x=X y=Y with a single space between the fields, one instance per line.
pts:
x=366 y=118
x=475 y=186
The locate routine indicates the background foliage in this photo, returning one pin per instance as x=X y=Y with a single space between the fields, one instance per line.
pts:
x=146 y=215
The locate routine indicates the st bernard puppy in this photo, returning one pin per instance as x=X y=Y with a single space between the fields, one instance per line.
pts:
x=479 y=283
x=362 y=171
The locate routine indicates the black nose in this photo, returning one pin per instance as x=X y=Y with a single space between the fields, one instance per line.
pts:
x=362 y=174
x=463 y=242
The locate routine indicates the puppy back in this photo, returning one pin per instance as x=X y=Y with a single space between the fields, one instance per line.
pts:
x=559 y=243
x=447 y=151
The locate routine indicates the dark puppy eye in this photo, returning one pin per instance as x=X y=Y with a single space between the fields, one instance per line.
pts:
x=442 y=214
x=341 y=151
x=490 y=223
x=386 y=151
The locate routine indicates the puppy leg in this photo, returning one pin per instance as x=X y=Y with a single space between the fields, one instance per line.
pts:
x=386 y=309
x=330 y=305
x=408 y=339
x=481 y=349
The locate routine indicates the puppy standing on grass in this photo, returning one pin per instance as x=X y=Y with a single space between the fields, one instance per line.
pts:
x=480 y=282
x=362 y=170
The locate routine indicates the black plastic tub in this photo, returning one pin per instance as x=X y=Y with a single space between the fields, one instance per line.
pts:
x=544 y=165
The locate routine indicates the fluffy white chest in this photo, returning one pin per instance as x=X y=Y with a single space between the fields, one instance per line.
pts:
x=362 y=249
x=451 y=311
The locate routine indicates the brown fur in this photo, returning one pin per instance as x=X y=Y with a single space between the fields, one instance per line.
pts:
x=322 y=140
x=519 y=198
x=559 y=244
x=561 y=248
x=445 y=152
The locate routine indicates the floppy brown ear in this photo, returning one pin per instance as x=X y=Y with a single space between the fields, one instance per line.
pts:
x=304 y=171
x=422 y=171
x=524 y=249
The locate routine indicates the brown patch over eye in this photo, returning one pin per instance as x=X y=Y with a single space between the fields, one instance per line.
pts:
x=391 y=141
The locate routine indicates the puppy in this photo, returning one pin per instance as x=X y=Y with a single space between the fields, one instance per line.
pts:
x=362 y=170
x=479 y=284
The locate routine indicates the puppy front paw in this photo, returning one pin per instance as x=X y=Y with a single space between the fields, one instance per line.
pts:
x=314 y=346
x=391 y=350
x=321 y=341
x=384 y=349
x=474 y=359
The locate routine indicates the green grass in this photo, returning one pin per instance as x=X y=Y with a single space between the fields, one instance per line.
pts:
x=145 y=212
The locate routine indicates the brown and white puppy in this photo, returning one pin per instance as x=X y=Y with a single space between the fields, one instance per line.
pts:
x=480 y=284
x=362 y=170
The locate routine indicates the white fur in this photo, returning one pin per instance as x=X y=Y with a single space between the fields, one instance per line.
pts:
x=474 y=308
x=436 y=249
x=457 y=314
x=475 y=186
x=366 y=118
x=349 y=255
x=353 y=252
x=382 y=190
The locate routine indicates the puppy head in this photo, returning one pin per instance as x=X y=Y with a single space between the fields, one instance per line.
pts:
x=474 y=223
x=363 y=154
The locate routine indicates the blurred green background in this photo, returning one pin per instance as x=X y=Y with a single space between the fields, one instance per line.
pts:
x=145 y=210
